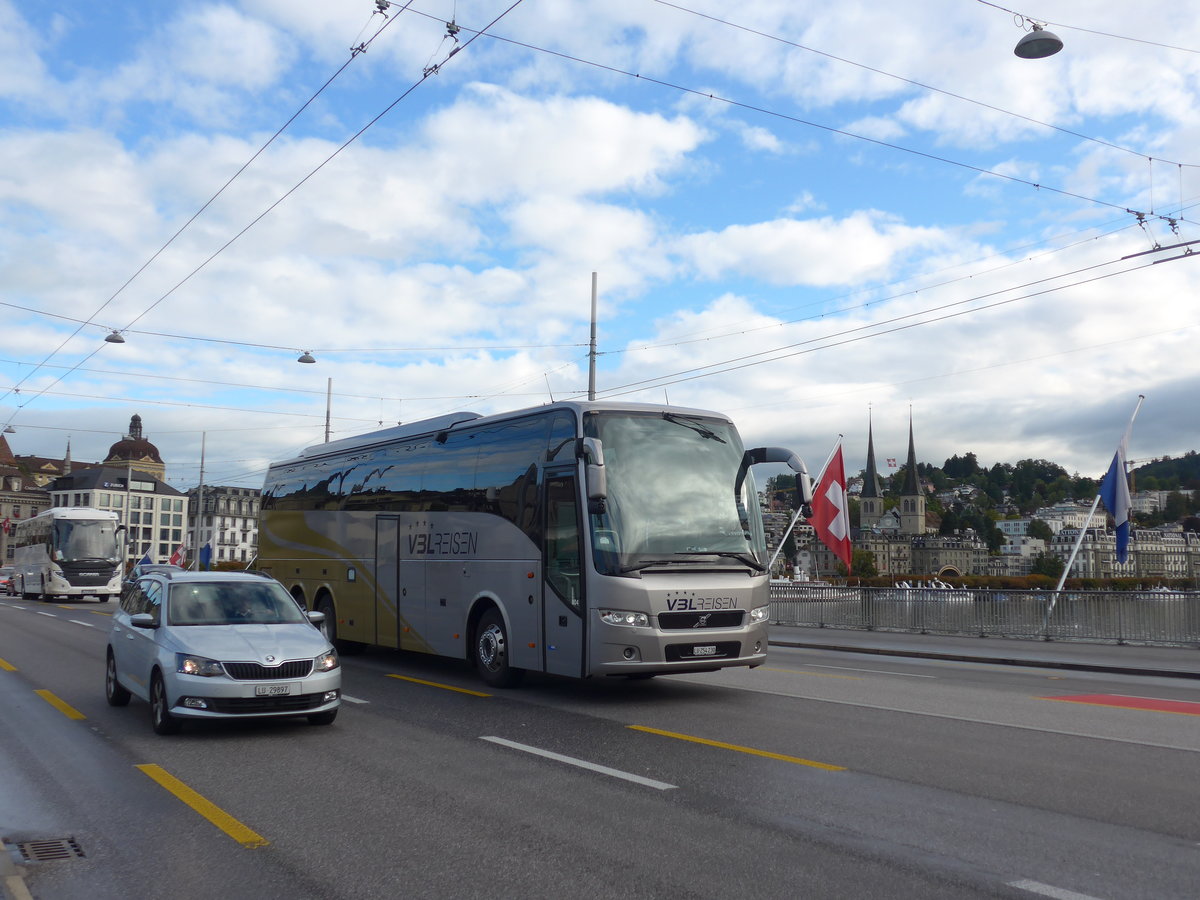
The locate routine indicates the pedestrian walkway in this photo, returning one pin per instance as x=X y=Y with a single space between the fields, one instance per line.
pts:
x=1126 y=659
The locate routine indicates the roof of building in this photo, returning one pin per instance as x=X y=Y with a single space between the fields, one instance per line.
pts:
x=134 y=447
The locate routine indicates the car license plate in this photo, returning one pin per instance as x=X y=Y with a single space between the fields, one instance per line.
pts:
x=705 y=650
x=272 y=690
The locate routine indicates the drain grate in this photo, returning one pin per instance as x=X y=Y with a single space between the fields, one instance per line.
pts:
x=46 y=851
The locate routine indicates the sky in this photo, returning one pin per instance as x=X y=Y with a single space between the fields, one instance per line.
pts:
x=807 y=216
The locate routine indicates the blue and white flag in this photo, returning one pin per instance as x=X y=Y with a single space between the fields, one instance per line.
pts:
x=206 y=555
x=1114 y=491
x=145 y=560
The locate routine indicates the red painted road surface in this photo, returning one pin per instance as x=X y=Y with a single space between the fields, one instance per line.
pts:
x=1183 y=707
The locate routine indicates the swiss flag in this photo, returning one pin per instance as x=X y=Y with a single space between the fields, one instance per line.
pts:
x=178 y=556
x=831 y=513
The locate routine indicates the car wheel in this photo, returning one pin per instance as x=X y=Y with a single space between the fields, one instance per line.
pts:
x=323 y=718
x=113 y=692
x=491 y=652
x=160 y=710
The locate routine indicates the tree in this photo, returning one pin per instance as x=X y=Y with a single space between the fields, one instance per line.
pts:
x=1047 y=564
x=1176 y=507
x=862 y=564
x=966 y=466
x=1042 y=531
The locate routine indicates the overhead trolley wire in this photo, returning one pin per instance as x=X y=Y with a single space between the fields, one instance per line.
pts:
x=428 y=71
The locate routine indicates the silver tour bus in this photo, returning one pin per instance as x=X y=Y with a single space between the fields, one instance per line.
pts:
x=576 y=538
x=69 y=552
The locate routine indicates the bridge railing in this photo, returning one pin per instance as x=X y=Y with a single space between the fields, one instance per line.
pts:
x=1116 y=617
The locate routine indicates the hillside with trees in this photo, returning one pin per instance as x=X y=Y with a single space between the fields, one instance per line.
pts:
x=983 y=494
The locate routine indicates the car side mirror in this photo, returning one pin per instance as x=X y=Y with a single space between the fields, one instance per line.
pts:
x=315 y=616
x=142 y=620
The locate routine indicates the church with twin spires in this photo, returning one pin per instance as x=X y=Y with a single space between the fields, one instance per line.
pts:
x=900 y=539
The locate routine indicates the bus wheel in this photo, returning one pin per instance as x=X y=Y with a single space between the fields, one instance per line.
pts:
x=491 y=652
x=329 y=626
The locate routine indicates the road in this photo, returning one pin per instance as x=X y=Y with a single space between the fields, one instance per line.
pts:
x=821 y=774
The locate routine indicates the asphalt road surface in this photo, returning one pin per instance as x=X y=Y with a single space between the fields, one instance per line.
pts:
x=821 y=774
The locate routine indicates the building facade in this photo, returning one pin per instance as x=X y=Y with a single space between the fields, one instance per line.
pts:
x=228 y=522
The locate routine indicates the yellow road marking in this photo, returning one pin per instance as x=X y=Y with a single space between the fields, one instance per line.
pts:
x=752 y=751
x=61 y=705
x=244 y=835
x=100 y=612
x=444 y=687
x=7 y=666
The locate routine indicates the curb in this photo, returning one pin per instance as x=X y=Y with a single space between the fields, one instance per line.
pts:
x=12 y=877
x=997 y=660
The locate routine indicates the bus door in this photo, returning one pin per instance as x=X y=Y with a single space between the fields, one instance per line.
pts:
x=563 y=606
x=399 y=588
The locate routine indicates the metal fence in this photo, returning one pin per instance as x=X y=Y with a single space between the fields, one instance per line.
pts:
x=1122 y=617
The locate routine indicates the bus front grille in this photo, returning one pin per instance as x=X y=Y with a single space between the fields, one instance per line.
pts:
x=671 y=621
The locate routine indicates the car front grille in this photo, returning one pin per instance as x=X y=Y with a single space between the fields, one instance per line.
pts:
x=249 y=671
x=251 y=706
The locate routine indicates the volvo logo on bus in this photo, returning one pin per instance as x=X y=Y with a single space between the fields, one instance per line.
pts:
x=702 y=622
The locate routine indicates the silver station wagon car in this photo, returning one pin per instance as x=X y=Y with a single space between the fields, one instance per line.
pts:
x=219 y=645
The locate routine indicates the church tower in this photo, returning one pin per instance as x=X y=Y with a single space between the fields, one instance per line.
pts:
x=912 y=498
x=870 y=508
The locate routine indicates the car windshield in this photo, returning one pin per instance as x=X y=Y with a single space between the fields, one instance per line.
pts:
x=241 y=603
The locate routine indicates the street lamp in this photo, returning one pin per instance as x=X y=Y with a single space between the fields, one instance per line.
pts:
x=1038 y=43
x=306 y=357
x=114 y=338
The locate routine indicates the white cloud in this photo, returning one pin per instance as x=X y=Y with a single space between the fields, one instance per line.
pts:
x=863 y=246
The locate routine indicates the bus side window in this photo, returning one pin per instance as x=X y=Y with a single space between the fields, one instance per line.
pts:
x=562 y=540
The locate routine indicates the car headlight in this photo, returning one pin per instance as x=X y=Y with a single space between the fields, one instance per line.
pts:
x=187 y=664
x=327 y=661
x=760 y=614
x=620 y=617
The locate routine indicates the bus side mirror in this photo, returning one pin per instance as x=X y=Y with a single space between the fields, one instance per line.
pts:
x=758 y=455
x=592 y=452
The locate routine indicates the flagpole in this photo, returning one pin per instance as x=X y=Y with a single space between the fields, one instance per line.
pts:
x=796 y=516
x=1122 y=449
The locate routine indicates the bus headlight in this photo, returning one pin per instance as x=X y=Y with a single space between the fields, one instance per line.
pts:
x=760 y=614
x=620 y=617
x=186 y=664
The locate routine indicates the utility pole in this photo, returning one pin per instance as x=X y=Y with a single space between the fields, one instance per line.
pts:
x=199 y=504
x=328 y=402
x=592 y=346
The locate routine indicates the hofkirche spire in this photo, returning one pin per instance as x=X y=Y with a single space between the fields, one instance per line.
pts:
x=871 y=481
x=870 y=509
x=912 y=500
x=912 y=485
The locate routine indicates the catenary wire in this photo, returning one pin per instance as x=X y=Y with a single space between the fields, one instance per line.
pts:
x=205 y=206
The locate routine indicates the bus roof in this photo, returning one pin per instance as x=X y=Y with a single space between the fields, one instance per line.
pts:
x=454 y=421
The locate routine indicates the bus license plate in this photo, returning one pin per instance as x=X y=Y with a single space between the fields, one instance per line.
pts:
x=272 y=690
x=705 y=650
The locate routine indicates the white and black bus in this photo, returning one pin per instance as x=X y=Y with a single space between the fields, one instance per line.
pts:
x=69 y=552
x=576 y=538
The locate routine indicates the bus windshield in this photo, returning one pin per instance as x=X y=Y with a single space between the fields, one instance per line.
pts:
x=80 y=539
x=671 y=481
